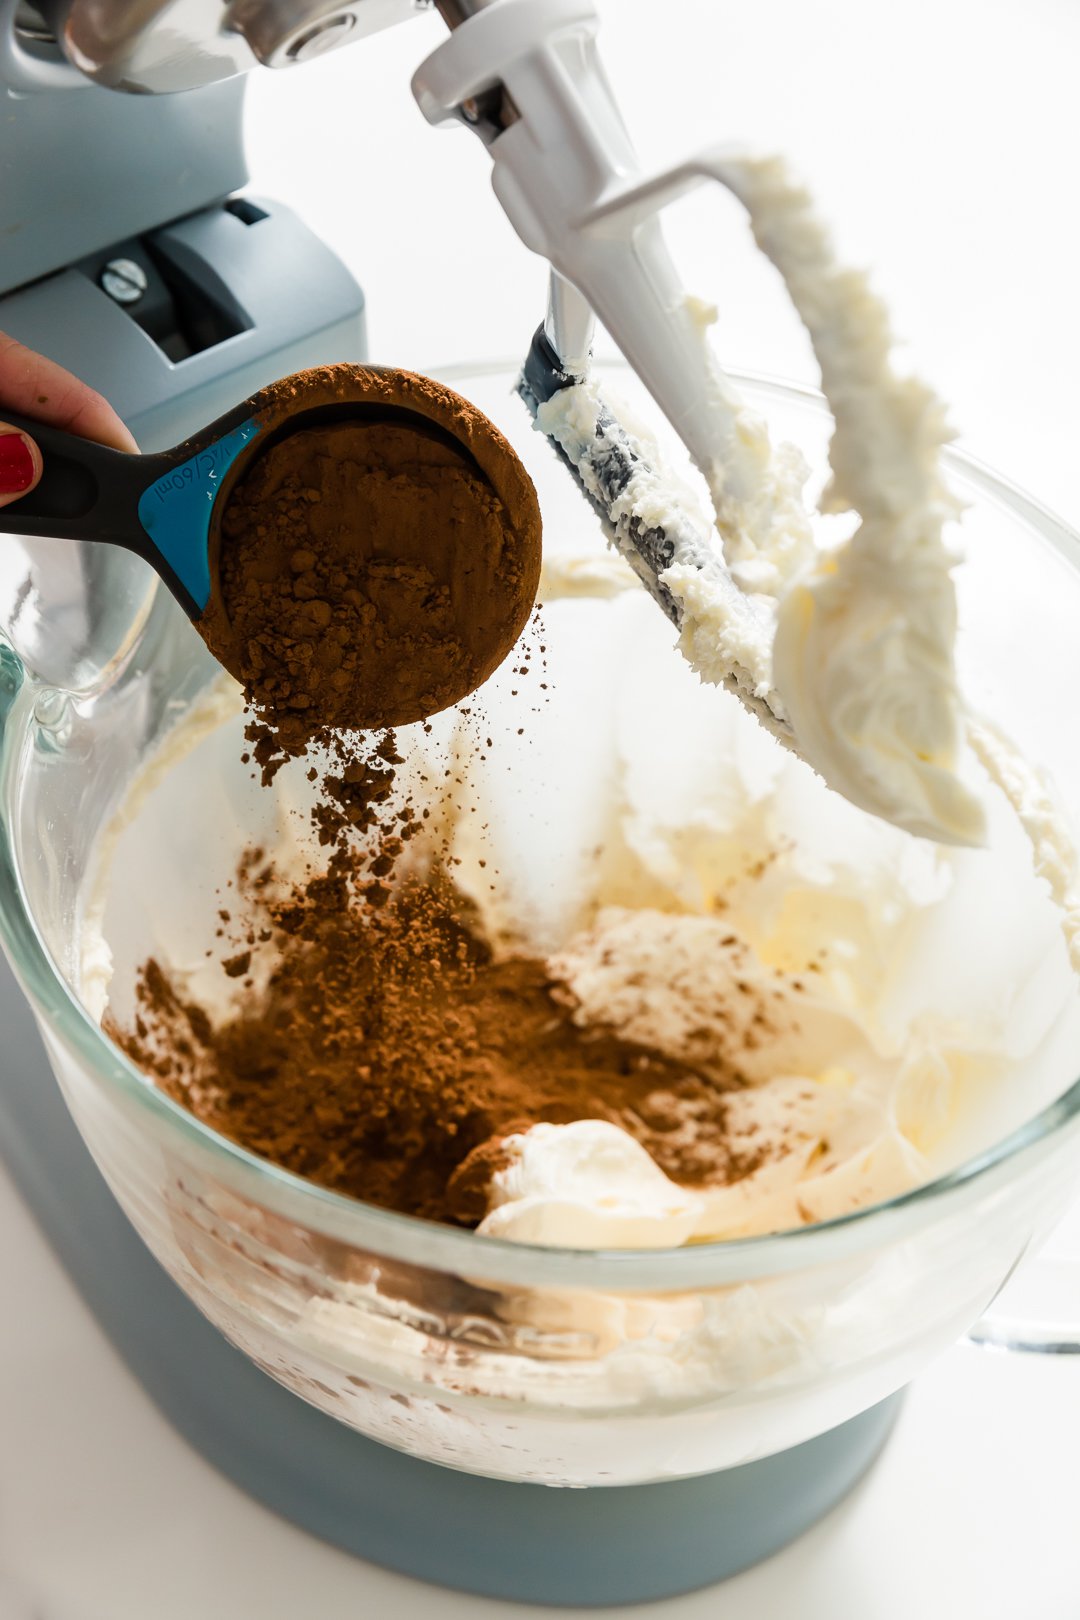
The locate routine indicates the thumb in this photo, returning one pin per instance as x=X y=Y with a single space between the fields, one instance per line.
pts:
x=20 y=464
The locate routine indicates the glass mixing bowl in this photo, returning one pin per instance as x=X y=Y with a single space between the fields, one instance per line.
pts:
x=566 y=1367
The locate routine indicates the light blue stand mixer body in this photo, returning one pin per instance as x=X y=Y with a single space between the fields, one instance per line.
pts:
x=133 y=189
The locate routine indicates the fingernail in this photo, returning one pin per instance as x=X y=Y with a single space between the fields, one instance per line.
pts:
x=16 y=464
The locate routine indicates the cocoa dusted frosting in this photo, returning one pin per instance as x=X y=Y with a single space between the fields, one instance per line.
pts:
x=390 y=1052
x=374 y=568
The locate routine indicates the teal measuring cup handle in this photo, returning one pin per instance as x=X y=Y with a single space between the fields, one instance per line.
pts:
x=159 y=506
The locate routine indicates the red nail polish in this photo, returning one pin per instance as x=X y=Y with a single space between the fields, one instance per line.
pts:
x=16 y=464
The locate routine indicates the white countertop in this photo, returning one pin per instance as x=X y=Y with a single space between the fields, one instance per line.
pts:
x=941 y=137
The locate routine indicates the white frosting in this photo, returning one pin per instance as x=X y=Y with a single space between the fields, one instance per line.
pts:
x=863 y=655
x=846 y=652
x=1043 y=818
x=899 y=1034
x=587 y=1185
x=597 y=577
x=839 y=1107
x=726 y=635
x=590 y=1185
x=220 y=702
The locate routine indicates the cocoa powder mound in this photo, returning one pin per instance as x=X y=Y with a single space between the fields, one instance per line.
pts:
x=373 y=569
x=390 y=1053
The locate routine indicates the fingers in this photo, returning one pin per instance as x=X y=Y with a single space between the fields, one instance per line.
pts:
x=37 y=387
x=20 y=464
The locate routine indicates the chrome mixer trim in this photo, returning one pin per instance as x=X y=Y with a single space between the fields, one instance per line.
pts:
x=163 y=46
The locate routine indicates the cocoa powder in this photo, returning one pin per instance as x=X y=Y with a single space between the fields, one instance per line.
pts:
x=390 y=1053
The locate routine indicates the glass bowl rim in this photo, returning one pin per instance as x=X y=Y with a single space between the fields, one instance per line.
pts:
x=435 y=1246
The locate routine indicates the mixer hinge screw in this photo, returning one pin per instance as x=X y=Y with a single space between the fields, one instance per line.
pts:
x=124 y=280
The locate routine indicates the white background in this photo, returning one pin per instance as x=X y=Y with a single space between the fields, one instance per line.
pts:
x=941 y=137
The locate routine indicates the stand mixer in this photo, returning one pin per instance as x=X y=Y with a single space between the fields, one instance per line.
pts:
x=135 y=264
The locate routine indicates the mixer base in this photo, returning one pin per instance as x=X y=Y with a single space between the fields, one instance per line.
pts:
x=616 y=1545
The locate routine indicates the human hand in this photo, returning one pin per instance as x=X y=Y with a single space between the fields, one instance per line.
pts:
x=39 y=388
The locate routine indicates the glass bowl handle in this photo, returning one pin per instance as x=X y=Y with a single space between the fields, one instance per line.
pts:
x=1037 y=1310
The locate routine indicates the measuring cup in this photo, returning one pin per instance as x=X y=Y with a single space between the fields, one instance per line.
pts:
x=167 y=506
